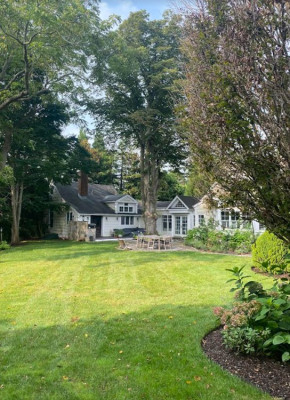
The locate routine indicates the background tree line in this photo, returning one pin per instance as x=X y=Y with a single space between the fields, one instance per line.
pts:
x=197 y=97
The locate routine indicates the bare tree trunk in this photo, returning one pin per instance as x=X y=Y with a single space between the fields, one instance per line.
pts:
x=16 y=202
x=149 y=188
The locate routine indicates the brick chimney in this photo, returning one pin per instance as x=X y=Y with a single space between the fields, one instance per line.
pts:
x=83 y=184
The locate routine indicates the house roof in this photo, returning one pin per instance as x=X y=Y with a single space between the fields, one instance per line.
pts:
x=163 y=204
x=91 y=204
x=94 y=202
x=113 y=197
x=189 y=201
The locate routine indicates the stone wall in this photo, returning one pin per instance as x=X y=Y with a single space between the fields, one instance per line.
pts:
x=78 y=230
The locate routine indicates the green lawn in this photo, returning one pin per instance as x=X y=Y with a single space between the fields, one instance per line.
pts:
x=87 y=321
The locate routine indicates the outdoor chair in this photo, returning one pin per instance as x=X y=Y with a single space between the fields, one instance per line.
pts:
x=166 y=242
x=123 y=245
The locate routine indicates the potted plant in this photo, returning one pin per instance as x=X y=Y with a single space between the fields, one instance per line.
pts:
x=118 y=233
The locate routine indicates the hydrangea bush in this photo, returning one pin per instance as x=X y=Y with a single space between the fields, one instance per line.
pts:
x=259 y=321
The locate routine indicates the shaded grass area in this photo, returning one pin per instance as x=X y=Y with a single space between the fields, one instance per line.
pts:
x=86 y=321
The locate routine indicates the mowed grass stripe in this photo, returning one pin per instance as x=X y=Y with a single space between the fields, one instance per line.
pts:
x=87 y=321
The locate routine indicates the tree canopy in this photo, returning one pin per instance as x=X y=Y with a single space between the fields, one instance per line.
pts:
x=40 y=154
x=237 y=103
x=43 y=46
x=137 y=70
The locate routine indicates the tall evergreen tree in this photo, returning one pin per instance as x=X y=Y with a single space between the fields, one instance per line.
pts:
x=40 y=154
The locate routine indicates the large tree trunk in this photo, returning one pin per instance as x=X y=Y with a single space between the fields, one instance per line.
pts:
x=149 y=188
x=16 y=202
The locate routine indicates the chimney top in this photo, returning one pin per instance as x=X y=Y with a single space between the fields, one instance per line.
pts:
x=83 y=184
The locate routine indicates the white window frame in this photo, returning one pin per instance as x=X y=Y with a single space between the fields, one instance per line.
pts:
x=69 y=216
x=184 y=225
x=181 y=225
x=225 y=218
x=230 y=219
x=127 y=220
x=126 y=207
x=166 y=223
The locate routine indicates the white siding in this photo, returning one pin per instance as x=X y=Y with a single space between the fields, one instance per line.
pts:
x=202 y=209
x=126 y=199
x=109 y=223
x=60 y=225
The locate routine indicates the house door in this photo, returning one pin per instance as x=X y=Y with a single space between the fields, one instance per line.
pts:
x=95 y=219
x=180 y=225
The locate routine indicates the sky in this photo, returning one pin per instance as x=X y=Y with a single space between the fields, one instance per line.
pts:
x=123 y=8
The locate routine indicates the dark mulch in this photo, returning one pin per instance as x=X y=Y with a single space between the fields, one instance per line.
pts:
x=258 y=271
x=269 y=375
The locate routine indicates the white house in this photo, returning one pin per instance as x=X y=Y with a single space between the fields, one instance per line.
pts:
x=184 y=213
x=102 y=206
x=94 y=204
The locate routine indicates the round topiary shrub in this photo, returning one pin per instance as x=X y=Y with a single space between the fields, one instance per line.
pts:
x=269 y=249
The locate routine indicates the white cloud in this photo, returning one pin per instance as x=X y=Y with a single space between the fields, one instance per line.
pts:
x=122 y=9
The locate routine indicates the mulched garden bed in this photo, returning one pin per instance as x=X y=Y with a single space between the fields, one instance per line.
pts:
x=269 y=375
x=258 y=271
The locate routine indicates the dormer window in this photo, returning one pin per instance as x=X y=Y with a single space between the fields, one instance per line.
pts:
x=126 y=207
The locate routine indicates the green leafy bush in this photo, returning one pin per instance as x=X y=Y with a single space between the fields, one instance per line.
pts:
x=207 y=237
x=260 y=320
x=244 y=340
x=4 y=245
x=269 y=253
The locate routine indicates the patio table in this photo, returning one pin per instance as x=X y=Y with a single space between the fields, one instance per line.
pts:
x=151 y=240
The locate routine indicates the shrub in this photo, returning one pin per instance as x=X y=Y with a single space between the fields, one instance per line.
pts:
x=198 y=234
x=244 y=340
x=208 y=238
x=4 y=245
x=241 y=241
x=260 y=320
x=269 y=251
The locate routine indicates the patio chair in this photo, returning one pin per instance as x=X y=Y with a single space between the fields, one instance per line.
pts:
x=152 y=242
x=166 y=242
x=140 y=240
x=123 y=245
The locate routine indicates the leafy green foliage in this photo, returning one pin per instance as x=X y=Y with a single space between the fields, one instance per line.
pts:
x=244 y=340
x=269 y=253
x=102 y=173
x=236 y=103
x=140 y=62
x=43 y=45
x=207 y=237
x=171 y=184
x=4 y=245
x=260 y=320
x=39 y=154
